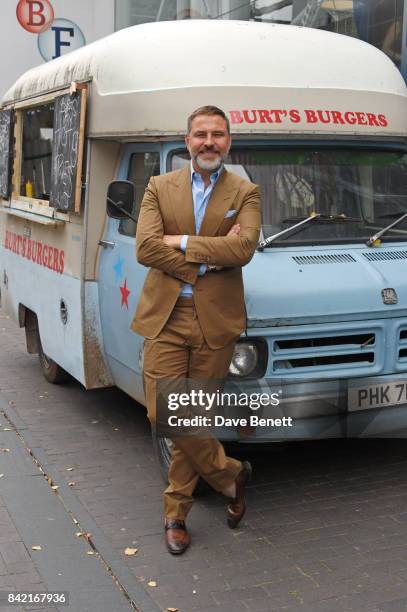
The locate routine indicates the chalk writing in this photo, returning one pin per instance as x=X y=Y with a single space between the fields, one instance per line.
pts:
x=65 y=151
x=5 y=146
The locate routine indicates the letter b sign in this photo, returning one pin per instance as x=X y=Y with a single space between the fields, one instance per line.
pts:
x=35 y=16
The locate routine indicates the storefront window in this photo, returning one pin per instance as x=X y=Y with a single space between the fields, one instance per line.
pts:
x=378 y=22
x=133 y=12
x=37 y=151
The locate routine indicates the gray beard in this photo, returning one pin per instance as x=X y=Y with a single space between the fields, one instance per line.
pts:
x=209 y=166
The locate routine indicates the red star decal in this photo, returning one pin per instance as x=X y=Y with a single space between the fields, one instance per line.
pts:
x=125 y=294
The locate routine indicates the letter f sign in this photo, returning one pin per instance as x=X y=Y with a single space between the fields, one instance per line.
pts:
x=61 y=43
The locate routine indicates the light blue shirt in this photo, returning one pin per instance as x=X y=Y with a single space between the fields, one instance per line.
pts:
x=200 y=198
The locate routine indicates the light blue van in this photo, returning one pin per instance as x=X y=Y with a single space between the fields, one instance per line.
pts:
x=318 y=120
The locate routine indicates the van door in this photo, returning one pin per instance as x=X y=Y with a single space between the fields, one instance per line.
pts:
x=121 y=278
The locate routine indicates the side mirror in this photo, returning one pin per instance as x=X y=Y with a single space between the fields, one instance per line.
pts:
x=120 y=200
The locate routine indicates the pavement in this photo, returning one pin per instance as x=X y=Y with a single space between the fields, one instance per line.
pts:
x=326 y=527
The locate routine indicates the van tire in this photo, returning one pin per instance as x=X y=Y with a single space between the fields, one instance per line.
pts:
x=162 y=447
x=53 y=373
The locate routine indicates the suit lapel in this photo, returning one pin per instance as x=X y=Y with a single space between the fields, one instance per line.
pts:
x=180 y=197
x=221 y=197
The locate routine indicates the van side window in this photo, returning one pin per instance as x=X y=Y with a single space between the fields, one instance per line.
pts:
x=142 y=167
x=38 y=122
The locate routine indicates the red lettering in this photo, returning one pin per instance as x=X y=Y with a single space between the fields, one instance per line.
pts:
x=235 y=116
x=247 y=118
x=361 y=118
x=32 y=12
x=382 y=120
x=337 y=117
x=326 y=119
x=19 y=244
x=278 y=114
x=61 y=262
x=264 y=116
x=50 y=257
x=39 y=253
x=294 y=116
x=310 y=116
x=350 y=118
x=56 y=263
x=34 y=251
x=372 y=119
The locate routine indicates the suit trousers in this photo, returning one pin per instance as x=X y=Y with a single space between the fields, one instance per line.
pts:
x=180 y=352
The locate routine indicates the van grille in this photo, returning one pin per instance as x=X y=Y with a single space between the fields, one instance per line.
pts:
x=385 y=255
x=326 y=351
x=402 y=351
x=324 y=259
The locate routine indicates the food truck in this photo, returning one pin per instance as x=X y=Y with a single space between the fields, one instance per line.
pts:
x=318 y=120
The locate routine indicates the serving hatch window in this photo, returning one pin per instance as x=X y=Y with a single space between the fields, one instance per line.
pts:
x=48 y=165
x=35 y=178
x=356 y=192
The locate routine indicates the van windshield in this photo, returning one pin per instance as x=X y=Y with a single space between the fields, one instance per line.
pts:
x=356 y=192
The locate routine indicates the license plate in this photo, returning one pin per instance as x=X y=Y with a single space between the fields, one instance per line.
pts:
x=368 y=396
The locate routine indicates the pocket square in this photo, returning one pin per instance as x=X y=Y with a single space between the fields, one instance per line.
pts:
x=230 y=213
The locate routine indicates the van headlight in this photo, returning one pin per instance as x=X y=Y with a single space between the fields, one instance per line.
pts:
x=249 y=358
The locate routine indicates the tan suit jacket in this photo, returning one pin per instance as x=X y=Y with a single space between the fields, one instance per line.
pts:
x=167 y=208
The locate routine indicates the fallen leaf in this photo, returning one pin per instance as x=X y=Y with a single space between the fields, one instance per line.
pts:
x=130 y=552
x=55 y=487
x=79 y=534
x=5 y=450
x=115 y=429
x=69 y=469
x=75 y=521
x=152 y=583
x=172 y=609
x=90 y=552
x=72 y=483
x=36 y=547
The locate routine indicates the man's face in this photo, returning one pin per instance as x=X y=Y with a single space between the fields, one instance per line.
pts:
x=208 y=142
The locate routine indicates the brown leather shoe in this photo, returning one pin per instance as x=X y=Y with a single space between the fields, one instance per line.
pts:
x=237 y=505
x=177 y=536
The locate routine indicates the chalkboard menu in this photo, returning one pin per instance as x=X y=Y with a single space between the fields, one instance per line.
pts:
x=65 y=151
x=6 y=133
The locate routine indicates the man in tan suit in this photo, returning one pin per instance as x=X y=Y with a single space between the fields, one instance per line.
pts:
x=197 y=227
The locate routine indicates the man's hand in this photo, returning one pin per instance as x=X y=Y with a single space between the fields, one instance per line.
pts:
x=172 y=241
x=233 y=230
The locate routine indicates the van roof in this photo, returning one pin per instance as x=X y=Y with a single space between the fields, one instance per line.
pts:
x=146 y=77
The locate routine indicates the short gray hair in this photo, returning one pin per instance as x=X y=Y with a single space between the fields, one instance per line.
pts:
x=207 y=110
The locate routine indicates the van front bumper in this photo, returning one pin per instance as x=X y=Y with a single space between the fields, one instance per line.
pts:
x=361 y=407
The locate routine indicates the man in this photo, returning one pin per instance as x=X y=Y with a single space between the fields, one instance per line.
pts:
x=197 y=227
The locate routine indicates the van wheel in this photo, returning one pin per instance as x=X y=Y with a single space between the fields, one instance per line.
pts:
x=162 y=448
x=51 y=370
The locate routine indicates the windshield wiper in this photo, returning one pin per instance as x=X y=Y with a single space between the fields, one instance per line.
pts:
x=342 y=217
x=377 y=236
x=265 y=243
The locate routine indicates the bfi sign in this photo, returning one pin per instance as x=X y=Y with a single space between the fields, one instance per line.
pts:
x=55 y=36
